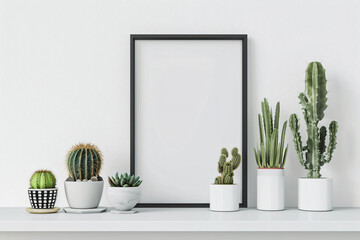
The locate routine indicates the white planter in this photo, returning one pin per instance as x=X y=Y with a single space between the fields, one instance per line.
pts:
x=224 y=197
x=270 y=189
x=84 y=194
x=315 y=194
x=124 y=198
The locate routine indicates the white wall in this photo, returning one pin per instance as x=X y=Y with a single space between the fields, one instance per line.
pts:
x=64 y=78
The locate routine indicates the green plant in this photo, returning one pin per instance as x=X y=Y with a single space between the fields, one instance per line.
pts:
x=125 y=180
x=227 y=168
x=271 y=153
x=313 y=101
x=84 y=162
x=42 y=179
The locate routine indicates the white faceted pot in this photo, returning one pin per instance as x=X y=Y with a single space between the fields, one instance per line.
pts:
x=315 y=194
x=84 y=194
x=224 y=197
x=124 y=198
x=270 y=189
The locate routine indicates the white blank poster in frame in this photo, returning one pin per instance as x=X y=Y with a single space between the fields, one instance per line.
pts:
x=188 y=100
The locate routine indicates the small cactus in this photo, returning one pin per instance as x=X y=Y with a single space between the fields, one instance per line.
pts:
x=84 y=162
x=124 y=180
x=42 y=179
x=227 y=168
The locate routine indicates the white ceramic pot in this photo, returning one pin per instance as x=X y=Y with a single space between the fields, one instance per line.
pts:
x=84 y=194
x=124 y=198
x=224 y=197
x=270 y=189
x=315 y=194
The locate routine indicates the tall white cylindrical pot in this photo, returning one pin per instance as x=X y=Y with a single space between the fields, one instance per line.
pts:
x=270 y=189
x=224 y=197
x=315 y=194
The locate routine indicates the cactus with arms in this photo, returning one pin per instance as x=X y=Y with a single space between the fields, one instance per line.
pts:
x=84 y=162
x=270 y=154
x=227 y=168
x=313 y=100
x=42 y=179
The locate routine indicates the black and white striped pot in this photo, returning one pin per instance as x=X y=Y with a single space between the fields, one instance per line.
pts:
x=42 y=198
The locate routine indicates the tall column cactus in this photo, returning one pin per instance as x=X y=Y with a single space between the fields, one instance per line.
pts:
x=84 y=162
x=313 y=100
x=227 y=168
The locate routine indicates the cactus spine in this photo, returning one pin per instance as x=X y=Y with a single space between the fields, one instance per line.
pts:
x=313 y=100
x=84 y=161
x=227 y=168
x=42 y=179
x=270 y=154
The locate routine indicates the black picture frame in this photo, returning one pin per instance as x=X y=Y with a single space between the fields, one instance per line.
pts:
x=240 y=37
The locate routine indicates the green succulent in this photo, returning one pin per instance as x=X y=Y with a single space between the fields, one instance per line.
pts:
x=84 y=162
x=42 y=179
x=124 y=180
x=272 y=151
x=313 y=100
x=227 y=168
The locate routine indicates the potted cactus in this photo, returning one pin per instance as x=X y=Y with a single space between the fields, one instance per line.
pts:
x=124 y=191
x=270 y=158
x=314 y=192
x=84 y=186
x=224 y=194
x=42 y=191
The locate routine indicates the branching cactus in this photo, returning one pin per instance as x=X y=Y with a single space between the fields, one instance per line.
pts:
x=272 y=152
x=313 y=100
x=84 y=162
x=227 y=168
x=42 y=179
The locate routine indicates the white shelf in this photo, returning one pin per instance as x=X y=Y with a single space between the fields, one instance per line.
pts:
x=183 y=220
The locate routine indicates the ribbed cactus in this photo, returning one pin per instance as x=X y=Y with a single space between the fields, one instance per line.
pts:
x=84 y=161
x=227 y=168
x=42 y=179
x=313 y=100
x=270 y=154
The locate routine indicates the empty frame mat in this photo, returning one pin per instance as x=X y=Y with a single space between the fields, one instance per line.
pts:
x=187 y=102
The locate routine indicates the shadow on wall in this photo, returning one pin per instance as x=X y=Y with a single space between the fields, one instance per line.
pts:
x=342 y=98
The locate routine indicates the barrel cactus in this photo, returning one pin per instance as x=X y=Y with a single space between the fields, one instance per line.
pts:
x=313 y=100
x=42 y=179
x=272 y=152
x=84 y=162
x=124 y=180
x=227 y=168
